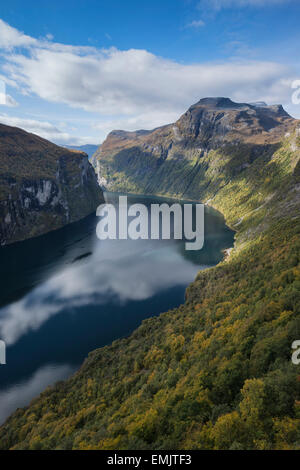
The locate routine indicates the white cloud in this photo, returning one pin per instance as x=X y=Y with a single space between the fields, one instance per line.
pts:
x=141 y=121
x=44 y=129
x=196 y=24
x=142 y=88
x=11 y=37
x=131 y=82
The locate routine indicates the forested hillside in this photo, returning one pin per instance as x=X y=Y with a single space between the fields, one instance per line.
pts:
x=215 y=373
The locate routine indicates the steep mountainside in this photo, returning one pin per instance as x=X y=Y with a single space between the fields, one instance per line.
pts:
x=215 y=373
x=213 y=141
x=42 y=186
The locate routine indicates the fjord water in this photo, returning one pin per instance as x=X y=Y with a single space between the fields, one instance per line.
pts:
x=66 y=293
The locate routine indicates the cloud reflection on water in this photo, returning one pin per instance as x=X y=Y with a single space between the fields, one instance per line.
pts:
x=21 y=394
x=118 y=271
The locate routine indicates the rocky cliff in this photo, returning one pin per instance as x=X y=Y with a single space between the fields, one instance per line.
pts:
x=215 y=140
x=42 y=186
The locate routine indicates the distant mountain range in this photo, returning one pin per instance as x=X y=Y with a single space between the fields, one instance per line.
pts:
x=89 y=149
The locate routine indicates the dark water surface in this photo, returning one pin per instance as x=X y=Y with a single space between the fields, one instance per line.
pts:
x=66 y=293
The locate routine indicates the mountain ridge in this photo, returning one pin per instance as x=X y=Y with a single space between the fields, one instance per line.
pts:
x=42 y=186
x=213 y=136
x=211 y=104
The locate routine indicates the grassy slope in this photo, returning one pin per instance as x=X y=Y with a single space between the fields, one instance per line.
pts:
x=214 y=373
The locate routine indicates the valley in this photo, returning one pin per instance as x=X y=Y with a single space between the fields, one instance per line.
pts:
x=215 y=372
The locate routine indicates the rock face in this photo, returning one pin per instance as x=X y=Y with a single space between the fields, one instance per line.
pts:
x=214 y=140
x=42 y=186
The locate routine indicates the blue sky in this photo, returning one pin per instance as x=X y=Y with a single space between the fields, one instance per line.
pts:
x=74 y=70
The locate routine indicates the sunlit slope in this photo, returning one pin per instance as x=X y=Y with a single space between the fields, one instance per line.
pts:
x=214 y=141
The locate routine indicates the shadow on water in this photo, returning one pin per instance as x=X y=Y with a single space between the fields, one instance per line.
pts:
x=25 y=264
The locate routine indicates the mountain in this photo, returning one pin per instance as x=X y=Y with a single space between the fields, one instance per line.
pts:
x=216 y=138
x=42 y=186
x=89 y=149
x=216 y=372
